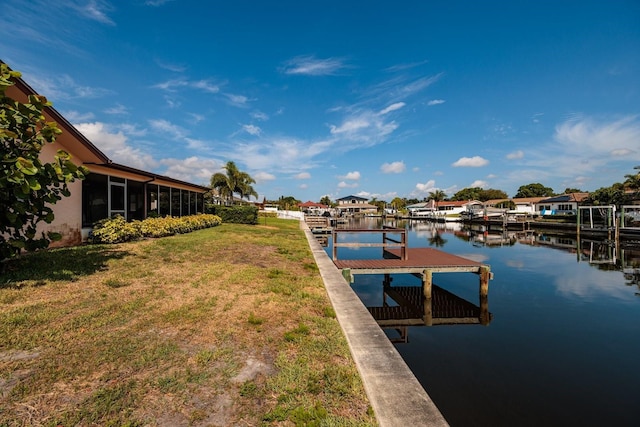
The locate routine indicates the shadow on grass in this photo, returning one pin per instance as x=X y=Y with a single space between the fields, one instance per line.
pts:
x=57 y=265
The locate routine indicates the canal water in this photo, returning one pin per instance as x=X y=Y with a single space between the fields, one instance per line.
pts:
x=562 y=347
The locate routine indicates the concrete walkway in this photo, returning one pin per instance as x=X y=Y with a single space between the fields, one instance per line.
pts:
x=397 y=398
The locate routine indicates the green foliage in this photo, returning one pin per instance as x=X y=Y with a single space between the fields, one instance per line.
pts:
x=234 y=181
x=604 y=196
x=288 y=203
x=470 y=193
x=478 y=193
x=326 y=200
x=236 y=214
x=28 y=185
x=118 y=230
x=399 y=203
x=571 y=190
x=534 y=190
x=492 y=194
x=437 y=195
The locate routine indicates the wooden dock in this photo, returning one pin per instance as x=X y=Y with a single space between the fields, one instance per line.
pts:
x=397 y=258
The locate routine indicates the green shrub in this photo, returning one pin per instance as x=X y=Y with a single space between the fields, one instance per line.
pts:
x=117 y=230
x=237 y=214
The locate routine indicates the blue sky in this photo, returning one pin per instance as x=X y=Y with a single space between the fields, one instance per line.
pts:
x=313 y=98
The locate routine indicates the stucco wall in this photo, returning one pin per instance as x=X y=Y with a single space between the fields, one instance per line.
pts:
x=68 y=211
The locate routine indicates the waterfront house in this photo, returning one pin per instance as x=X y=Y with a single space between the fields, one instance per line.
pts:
x=354 y=205
x=447 y=209
x=563 y=204
x=516 y=205
x=313 y=208
x=110 y=188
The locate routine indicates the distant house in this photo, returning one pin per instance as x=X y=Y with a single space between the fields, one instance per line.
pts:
x=312 y=207
x=522 y=205
x=355 y=204
x=110 y=188
x=564 y=204
x=446 y=209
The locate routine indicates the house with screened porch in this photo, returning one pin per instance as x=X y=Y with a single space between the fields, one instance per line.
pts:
x=110 y=188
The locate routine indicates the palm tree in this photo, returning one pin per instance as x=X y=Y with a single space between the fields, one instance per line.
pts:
x=437 y=195
x=234 y=181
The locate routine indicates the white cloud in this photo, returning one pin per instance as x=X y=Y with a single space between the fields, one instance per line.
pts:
x=237 y=100
x=351 y=126
x=303 y=175
x=192 y=169
x=343 y=184
x=479 y=183
x=197 y=144
x=604 y=138
x=207 y=86
x=472 y=162
x=115 y=146
x=196 y=118
x=75 y=116
x=259 y=115
x=310 y=66
x=392 y=107
x=287 y=155
x=117 y=109
x=602 y=149
x=622 y=152
x=64 y=87
x=515 y=155
x=176 y=68
x=172 y=85
x=394 y=167
x=363 y=129
x=353 y=176
x=263 y=177
x=436 y=102
x=167 y=127
x=252 y=130
x=95 y=10
x=423 y=189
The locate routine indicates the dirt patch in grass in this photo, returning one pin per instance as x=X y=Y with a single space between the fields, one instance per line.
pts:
x=225 y=326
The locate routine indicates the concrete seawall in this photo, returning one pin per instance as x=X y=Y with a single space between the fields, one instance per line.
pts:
x=397 y=398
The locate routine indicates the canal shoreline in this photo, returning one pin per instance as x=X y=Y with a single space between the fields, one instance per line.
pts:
x=395 y=394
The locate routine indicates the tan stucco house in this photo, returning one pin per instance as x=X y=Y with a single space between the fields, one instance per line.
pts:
x=355 y=204
x=110 y=188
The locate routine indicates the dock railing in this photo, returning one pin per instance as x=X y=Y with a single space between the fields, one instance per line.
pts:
x=387 y=242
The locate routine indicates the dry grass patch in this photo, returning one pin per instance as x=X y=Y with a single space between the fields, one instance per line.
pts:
x=224 y=326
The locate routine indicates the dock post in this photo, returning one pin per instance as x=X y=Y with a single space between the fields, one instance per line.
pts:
x=346 y=273
x=427 y=282
x=485 y=275
x=334 y=249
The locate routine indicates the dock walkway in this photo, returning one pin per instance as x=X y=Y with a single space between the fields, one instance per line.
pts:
x=396 y=396
x=397 y=258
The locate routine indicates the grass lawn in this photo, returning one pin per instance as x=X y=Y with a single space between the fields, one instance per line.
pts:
x=225 y=326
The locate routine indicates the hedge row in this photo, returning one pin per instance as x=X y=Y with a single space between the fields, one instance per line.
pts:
x=118 y=230
x=236 y=214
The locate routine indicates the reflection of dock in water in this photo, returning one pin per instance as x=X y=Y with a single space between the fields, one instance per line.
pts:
x=446 y=308
x=416 y=305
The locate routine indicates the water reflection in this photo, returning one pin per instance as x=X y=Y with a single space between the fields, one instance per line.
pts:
x=562 y=345
x=404 y=306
